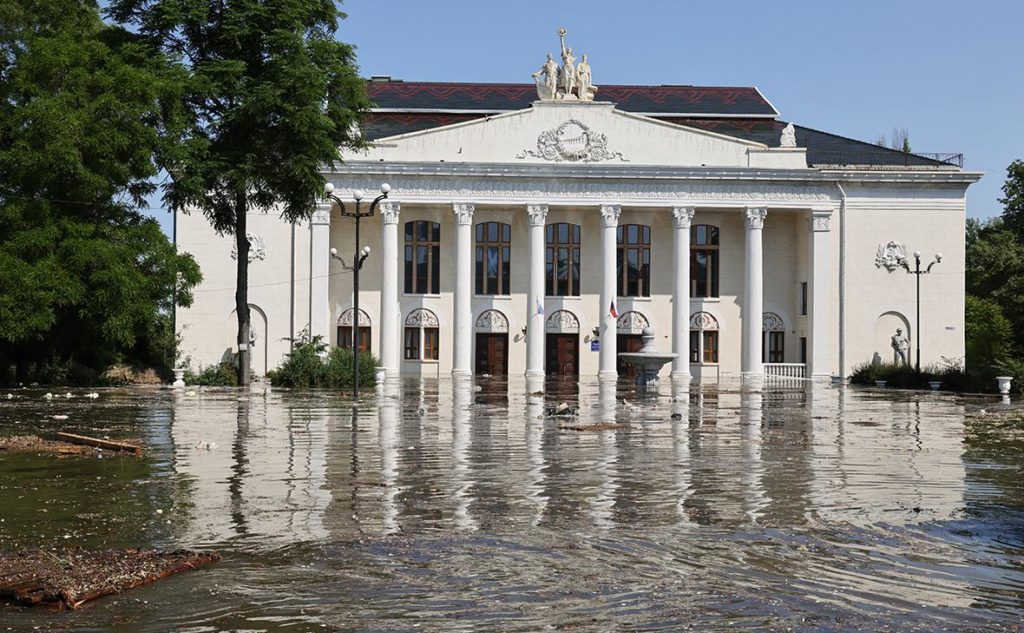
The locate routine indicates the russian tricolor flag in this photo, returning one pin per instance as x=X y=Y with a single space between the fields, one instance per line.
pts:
x=613 y=312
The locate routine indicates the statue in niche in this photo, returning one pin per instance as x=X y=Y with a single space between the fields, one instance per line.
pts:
x=568 y=81
x=547 y=88
x=900 y=348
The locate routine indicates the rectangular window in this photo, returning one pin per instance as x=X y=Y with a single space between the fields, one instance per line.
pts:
x=704 y=261
x=633 y=260
x=345 y=337
x=422 y=257
x=493 y=258
x=412 y=343
x=803 y=299
x=710 y=347
x=562 y=259
x=803 y=349
x=430 y=347
x=694 y=346
x=776 y=347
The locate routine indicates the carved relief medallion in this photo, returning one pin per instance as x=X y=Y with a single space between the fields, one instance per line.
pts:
x=257 y=249
x=572 y=142
x=891 y=255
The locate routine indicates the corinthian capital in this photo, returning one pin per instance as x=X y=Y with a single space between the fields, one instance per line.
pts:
x=610 y=214
x=683 y=216
x=389 y=211
x=537 y=213
x=463 y=213
x=755 y=217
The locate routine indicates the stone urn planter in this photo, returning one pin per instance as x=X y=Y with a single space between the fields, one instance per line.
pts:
x=1004 y=384
x=935 y=384
x=179 y=378
x=880 y=383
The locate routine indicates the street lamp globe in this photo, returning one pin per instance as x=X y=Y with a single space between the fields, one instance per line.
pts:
x=938 y=257
x=329 y=188
x=358 y=194
x=334 y=252
x=366 y=251
x=917 y=254
x=385 y=188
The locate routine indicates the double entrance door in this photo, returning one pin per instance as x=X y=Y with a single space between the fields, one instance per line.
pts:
x=492 y=354
x=563 y=354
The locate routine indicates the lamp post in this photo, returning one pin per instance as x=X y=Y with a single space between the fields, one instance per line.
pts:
x=358 y=259
x=917 y=272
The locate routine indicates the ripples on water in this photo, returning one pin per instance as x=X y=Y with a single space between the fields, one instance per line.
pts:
x=433 y=505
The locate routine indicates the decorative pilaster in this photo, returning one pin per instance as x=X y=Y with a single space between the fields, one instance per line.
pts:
x=683 y=218
x=753 y=293
x=819 y=288
x=319 y=272
x=537 y=216
x=463 y=342
x=390 y=314
x=609 y=222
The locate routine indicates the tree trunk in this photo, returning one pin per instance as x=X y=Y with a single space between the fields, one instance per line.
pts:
x=242 y=289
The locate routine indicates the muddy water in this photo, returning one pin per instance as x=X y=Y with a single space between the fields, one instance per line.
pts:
x=434 y=506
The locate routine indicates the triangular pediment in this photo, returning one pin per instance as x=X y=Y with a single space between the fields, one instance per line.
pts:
x=566 y=132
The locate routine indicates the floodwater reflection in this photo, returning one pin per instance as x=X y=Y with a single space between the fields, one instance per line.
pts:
x=461 y=504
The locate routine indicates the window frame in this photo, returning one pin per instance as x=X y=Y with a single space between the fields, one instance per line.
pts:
x=803 y=298
x=427 y=240
x=704 y=347
x=345 y=337
x=502 y=243
x=633 y=242
x=560 y=247
x=705 y=241
x=773 y=346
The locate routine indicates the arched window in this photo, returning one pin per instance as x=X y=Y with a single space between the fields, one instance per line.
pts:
x=421 y=335
x=704 y=260
x=634 y=260
x=562 y=258
x=773 y=341
x=703 y=338
x=493 y=258
x=422 y=257
x=345 y=330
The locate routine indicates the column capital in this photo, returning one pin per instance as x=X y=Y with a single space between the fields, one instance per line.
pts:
x=610 y=214
x=537 y=213
x=322 y=213
x=820 y=219
x=755 y=217
x=389 y=211
x=463 y=213
x=683 y=216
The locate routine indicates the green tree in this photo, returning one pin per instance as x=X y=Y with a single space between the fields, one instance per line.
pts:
x=83 y=274
x=1013 y=200
x=988 y=336
x=269 y=96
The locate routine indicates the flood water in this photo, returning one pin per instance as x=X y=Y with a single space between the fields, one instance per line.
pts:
x=440 y=506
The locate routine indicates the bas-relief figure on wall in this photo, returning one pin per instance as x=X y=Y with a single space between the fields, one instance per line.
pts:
x=568 y=81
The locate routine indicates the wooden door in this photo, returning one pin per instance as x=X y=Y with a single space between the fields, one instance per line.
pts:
x=563 y=354
x=627 y=343
x=492 y=354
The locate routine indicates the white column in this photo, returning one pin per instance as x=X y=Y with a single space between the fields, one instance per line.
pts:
x=820 y=290
x=319 y=273
x=683 y=216
x=390 y=316
x=753 y=299
x=537 y=213
x=609 y=222
x=463 y=343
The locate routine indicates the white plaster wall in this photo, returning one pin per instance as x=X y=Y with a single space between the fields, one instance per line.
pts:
x=930 y=220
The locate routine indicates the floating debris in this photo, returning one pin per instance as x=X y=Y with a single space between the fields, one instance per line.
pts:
x=600 y=426
x=70 y=578
x=561 y=410
x=92 y=395
x=109 y=445
x=36 y=444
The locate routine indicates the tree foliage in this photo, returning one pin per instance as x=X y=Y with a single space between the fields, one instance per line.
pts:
x=1013 y=200
x=269 y=95
x=83 y=274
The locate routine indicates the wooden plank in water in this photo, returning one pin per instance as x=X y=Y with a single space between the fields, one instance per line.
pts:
x=109 y=445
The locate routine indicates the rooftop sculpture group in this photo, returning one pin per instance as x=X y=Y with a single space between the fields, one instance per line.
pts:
x=570 y=81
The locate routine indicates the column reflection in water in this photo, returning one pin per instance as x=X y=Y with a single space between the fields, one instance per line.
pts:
x=462 y=397
x=389 y=408
x=606 y=470
x=751 y=420
x=680 y=444
x=534 y=436
x=786 y=448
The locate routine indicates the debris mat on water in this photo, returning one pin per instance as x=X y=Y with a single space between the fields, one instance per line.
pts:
x=69 y=578
x=600 y=426
x=36 y=444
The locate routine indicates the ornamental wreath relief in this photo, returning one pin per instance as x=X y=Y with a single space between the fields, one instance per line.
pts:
x=573 y=142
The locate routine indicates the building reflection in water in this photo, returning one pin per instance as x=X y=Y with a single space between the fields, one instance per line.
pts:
x=389 y=406
x=605 y=468
x=462 y=397
x=534 y=435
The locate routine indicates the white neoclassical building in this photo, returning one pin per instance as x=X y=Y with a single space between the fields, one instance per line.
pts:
x=539 y=236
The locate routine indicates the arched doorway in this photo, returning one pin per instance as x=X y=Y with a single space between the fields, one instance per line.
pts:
x=562 y=330
x=491 y=343
x=628 y=329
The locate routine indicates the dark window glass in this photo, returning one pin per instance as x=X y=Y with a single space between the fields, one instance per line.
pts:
x=494 y=266
x=710 y=347
x=776 y=347
x=412 y=343
x=422 y=257
x=430 y=345
x=704 y=260
x=563 y=260
x=633 y=261
x=803 y=298
x=803 y=349
x=345 y=337
x=694 y=346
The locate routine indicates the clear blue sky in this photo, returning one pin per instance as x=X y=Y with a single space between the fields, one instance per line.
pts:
x=949 y=72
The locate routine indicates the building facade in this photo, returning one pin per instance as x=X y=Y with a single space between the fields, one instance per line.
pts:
x=539 y=236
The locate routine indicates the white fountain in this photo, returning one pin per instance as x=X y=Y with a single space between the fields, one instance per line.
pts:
x=648 y=362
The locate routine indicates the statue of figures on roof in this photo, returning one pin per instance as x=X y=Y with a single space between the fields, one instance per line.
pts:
x=568 y=81
x=788 y=138
x=547 y=87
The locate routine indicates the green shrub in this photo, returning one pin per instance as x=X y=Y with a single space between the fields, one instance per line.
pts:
x=306 y=367
x=220 y=375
